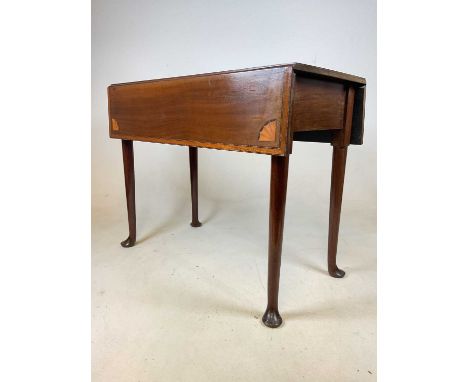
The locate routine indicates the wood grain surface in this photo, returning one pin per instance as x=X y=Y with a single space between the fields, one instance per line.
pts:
x=260 y=110
x=226 y=111
x=317 y=105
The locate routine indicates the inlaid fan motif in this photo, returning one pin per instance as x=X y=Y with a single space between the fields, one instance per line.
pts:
x=268 y=132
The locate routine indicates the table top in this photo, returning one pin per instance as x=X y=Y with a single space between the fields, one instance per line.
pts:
x=296 y=66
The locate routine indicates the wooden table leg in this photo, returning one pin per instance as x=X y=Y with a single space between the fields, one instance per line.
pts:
x=336 y=194
x=278 y=186
x=129 y=170
x=193 y=154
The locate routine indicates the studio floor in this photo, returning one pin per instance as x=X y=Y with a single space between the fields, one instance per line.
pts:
x=185 y=304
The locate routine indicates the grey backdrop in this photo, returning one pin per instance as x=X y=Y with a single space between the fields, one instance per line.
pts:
x=163 y=309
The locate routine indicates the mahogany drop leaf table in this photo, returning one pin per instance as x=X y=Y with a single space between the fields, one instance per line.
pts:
x=257 y=110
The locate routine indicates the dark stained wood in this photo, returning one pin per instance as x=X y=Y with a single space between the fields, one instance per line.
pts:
x=328 y=136
x=129 y=172
x=303 y=69
x=343 y=137
x=290 y=114
x=340 y=149
x=206 y=74
x=331 y=75
x=317 y=105
x=357 y=129
x=193 y=156
x=278 y=187
x=225 y=111
x=291 y=127
x=321 y=136
x=258 y=110
x=336 y=195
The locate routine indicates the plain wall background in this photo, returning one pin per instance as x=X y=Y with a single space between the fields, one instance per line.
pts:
x=138 y=40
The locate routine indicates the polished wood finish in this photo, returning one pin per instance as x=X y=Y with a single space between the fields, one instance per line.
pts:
x=354 y=134
x=327 y=74
x=336 y=195
x=260 y=110
x=129 y=172
x=257 y=110
x=317 y=105
x=193 y=157
x=340 y=144
x=278 y=187
x=327 y=136
x=342 y=138
x=226 y=111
